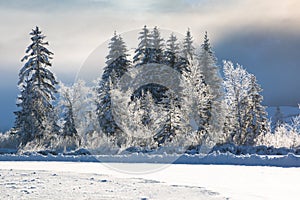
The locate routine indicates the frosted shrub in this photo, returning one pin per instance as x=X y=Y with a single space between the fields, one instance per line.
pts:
x=100 y=143
x=284 y=136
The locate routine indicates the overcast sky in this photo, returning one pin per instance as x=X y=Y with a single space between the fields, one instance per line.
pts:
x=261 y=35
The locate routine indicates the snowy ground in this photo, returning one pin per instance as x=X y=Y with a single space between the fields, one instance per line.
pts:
x=81 y=180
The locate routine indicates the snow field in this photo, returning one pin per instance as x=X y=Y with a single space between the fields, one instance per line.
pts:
x=69 y=184
x=189 y=181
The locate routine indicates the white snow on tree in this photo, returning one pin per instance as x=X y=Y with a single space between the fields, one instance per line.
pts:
x=150 y=50
x=208 y=66
x=111 y=117
x=188 y=50
x=246 y=117
x=142 y=53
x=116 y=60
x=285 y=135
x=172 y=118
x=37 y=85
x=177 y=135
x=207 y=62
x=157 y=46
x=256 y=113
x=117 y=65
x=77 y=105
x=197 y=102
x=136 y=133
x=180 y=56
x=173 y=45
x=172 y=55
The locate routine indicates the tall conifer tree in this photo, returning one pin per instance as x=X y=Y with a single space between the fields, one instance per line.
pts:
x=117 y=66
x=37 y=84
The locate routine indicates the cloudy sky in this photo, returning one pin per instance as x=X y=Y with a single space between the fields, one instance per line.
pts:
x=261 y=35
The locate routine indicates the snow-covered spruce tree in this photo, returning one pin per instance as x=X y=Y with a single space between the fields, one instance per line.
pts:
x=175 y=123
x=157 y=47
x=146 y=103
x=172 y=56
x=69 y=129
x=172 y=51
x=176 y=135
x=150 y=50
x=197 y=102
x=186 y=54
x=117 y=65
x=142 y=53
x=207 y=62
x=104 y=112
x=188 y=50
x=116 y=60
x=246 y=117
x=256 y=114
x=146 y=109
x=135 y=133
x=37 y=85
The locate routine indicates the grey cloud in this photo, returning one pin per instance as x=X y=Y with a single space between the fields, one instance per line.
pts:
x=272 y=56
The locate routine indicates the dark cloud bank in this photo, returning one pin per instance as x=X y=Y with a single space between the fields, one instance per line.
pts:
x=272 y=56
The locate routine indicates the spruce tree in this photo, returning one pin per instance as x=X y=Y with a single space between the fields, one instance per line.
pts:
x=172 y=56
x=197 y=102
x=256 y=114
x=188 y=50
x=157 y=46
x=142 y=53
x=186 y=57
x=117 y=65
x=172 y=125
x=208 y=65
x=37 y=85
x=69 y=127
x=116 y=60
x=173 y=45
x=150 y=50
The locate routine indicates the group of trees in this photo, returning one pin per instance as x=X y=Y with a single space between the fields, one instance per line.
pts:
x=206 y=109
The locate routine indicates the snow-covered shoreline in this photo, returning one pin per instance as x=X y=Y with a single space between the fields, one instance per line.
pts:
x=289 y=160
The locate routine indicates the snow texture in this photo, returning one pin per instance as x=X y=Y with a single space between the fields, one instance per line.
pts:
x=75 y=180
